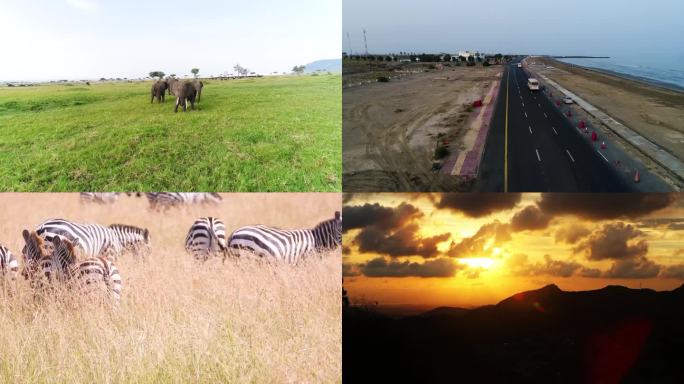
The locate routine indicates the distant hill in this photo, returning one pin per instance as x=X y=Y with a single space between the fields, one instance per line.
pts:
x=613 y=334
x=330 y=65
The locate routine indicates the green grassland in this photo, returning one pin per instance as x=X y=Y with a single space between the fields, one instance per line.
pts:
x=263 y=134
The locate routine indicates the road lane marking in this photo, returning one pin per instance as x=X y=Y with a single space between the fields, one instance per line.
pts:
x=545 y=115
x=538 y=158
x=571 y=158
x=523 y=104
x=525 y=114
x=539 y=105
x=554 y=131
x=508 y=74
x=604 y=158
x=530 y=129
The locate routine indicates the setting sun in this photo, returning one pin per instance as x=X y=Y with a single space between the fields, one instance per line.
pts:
x=478 y=262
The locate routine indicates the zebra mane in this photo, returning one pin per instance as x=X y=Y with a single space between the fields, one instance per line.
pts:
x=126 y=227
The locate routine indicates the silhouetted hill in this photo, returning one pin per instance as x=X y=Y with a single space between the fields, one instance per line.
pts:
x=329 y=65
x=547 y=335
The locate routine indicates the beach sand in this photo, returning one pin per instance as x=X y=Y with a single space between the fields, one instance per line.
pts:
x=654 y=112
x=391 y=129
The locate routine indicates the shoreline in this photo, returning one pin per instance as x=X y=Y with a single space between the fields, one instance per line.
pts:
x=625 y=76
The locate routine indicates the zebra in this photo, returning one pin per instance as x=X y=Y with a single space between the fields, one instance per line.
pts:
x=206 y=237
x=90 y=275
x=95 y=240
x=133 y=239
x=9 y=268
x=99 y=197
x=165 y=200
x=288 y=245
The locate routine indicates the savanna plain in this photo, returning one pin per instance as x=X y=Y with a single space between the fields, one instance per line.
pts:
x=179 y=320
x=263 y=134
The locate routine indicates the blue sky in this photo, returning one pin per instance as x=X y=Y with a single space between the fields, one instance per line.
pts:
x=80 y=39
x=589 y=27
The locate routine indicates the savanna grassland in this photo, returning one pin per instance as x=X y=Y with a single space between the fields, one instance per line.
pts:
x=259 y=134
x=179 y=320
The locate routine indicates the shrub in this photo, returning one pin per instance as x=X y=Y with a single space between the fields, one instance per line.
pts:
x=383 y=79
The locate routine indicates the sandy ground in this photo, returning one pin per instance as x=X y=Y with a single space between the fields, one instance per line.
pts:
x=655 y=113
x=390 y=130
x=180 y=320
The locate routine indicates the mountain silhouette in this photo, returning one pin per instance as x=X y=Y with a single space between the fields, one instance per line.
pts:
x=614 y=334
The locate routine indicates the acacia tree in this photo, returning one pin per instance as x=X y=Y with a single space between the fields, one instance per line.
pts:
x=241 y=70
x=298 y=69
x=195 y=71
x=158 y=74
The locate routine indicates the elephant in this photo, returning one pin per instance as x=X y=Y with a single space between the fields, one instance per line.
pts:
x=198 y=87
x=170 y=81
x=184 y=91
x=158 y=91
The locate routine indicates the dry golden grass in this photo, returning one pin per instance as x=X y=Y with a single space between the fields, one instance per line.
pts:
x=179 y=320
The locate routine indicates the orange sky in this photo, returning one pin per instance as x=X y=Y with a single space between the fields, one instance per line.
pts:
x=470 y=250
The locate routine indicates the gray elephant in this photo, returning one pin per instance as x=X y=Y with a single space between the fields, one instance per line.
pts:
x=198 y=87
x=158 y=91
x=184 y=91
x=170 y=81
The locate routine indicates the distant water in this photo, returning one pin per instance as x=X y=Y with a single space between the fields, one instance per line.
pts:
x=666 y=72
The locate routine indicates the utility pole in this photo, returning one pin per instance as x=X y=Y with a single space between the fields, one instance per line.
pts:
x=365 y=42
x=350 y=45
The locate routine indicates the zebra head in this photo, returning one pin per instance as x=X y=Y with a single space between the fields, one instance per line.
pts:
x=33 y=251
x=328 y=234
x=63 y=254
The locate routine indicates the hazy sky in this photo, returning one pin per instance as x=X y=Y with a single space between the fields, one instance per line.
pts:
x=591 y=27
x=476 y=249
x=75 y=39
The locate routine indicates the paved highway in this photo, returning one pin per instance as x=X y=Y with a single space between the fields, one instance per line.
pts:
x=532 y=147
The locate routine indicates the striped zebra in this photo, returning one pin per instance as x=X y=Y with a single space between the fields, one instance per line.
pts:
x=206 y=237
x=133 y=239
x=288 y=245
x=94 y=274
x=61 y=265
x=93 y=239
x=9 y=267
x=99 y=197
x=165 y=200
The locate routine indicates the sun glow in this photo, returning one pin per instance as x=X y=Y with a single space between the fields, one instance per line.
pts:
x=478 y=262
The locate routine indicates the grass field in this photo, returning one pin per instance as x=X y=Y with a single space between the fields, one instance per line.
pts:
x=264 y=134
x=180 y=321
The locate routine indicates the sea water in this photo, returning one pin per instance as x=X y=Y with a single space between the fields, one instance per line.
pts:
x=661 y=70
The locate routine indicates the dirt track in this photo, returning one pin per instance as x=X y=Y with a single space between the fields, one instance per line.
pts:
x=390 y=130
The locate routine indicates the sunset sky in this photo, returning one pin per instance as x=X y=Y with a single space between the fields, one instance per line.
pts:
x=469 y=250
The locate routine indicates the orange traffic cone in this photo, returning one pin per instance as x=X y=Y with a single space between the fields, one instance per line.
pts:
x=603 y=145
x=594 y=136
x=636 y=177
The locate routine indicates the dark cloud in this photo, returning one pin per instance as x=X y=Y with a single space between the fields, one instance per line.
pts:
x=529 y=218
x=478 y=204
x=601 y=206
x=615 y=241
x=520 y=266
x=635 y=268
x=349 y=270
x=667 y=222
x=380 y=267
x=571 y=234
x=384 y=218
x=403 y=242
x=673 y=271
x=496 y=232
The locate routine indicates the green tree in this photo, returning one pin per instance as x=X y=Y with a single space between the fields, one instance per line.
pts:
x=158 y=74
x=298 y=69
x=195 y=71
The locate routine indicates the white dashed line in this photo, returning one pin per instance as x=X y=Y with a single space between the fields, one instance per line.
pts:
x=523 y=104
x=525 y=114
x=554 y=131
x=538 y=158
x=604 y=158
x=545 y=115
x=571 y=158
x=530 y=129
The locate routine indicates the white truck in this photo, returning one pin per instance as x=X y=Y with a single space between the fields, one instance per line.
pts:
x=533 y=84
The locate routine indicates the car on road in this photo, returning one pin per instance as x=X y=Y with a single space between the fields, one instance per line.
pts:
x=519 y=65
x=533 y=84
x=568 y=100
